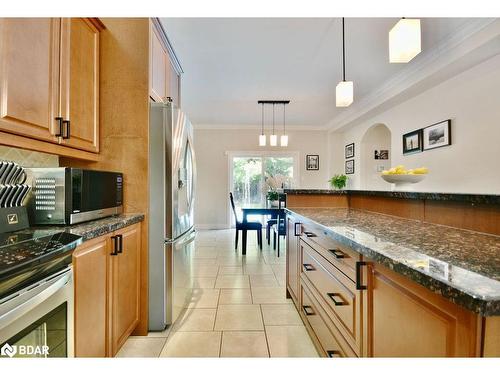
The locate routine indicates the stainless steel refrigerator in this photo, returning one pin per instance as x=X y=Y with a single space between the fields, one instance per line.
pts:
x=172 y=173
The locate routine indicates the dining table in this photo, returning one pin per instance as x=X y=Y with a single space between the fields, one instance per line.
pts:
x=273 y=212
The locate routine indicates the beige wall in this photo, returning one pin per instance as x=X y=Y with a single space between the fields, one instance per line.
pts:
x=212 y=146
x=470 y=164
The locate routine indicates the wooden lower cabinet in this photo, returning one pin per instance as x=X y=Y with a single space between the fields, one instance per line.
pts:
x=292 y=258
x=125 y=284
x=404 y=319
x=106 y=292
x=90 y=267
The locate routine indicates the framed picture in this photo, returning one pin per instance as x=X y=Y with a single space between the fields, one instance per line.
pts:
x=437 y=135
x=349 y=166
x=412 y=142
x=349 y=151
x=381 y=155
x=312 y=162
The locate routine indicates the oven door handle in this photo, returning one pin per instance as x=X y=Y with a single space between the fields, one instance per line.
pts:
x=14 y=307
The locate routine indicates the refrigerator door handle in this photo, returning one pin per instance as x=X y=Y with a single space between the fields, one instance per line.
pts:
x=182 y=240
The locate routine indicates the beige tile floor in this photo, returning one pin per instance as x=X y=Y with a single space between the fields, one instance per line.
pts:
x=238 y=309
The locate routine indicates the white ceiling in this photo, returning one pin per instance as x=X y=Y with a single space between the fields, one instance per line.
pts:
x=230 y=63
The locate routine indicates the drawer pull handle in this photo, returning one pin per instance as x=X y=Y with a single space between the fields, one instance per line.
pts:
x=359 y=285
x=297 y=232
x=337 y=299
x=310 y=234
x=309 y=267
x=334 y=354
x=308 y=310
x=337 y=253
x=115 y=245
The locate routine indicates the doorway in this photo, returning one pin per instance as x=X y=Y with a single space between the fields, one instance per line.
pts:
x=248 y=173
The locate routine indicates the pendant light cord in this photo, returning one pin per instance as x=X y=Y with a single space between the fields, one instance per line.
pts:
x=343 y=51
x=273 y=118
x=262 y=123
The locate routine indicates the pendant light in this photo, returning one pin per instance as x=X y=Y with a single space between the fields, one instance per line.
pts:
x=344 y=92
x=404 y=40
x=262 y=136
x=284 y=137
x=273 y=139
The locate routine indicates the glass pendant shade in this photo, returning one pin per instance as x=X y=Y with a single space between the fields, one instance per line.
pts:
x=344 y=93
x=262 y=140
x=273 y=140
x=284 y=141
x=404 y=41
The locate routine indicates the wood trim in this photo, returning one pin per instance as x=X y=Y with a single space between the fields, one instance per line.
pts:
x=96 y=22
x=318 y=200
x=168 y=46
x=491 y=338
x=409 y=209
x=23 y=142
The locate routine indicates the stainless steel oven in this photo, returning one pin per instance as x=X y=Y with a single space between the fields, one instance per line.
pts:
x=37 y=321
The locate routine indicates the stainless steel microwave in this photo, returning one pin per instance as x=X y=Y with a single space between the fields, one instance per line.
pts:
x=73 y=195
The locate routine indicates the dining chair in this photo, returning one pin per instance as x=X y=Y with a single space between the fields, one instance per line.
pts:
x=279 y=229
x=271 y=222
x=245 y=226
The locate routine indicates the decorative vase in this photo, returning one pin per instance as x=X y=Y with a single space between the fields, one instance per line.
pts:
x=274 y=203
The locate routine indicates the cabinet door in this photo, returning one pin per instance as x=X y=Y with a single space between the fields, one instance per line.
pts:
x=90 y=265
x=80 y=83
x=125 y=287
x=292 y=258
x=173 y=86
x=29 y=76
x=158 y=69
x=405 y=319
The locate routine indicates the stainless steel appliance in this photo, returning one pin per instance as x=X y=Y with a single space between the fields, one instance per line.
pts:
x=36 y=294
x=172 y=171
x=73 y=195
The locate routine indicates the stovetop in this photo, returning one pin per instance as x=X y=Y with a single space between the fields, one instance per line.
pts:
x=27 y=257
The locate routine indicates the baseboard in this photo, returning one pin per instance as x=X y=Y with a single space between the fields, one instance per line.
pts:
x=211 y=226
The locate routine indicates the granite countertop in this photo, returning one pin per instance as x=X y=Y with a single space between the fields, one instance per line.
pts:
x=457 y=197
x=90 y=229
x=461 y=265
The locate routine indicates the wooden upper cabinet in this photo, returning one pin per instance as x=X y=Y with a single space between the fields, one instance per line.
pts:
x=404 y=319
x=80 y=82
x=125 y=287
x=292 y=259
x=90 y=266
x=164 y=78
x=158 y=69
x=29 y=63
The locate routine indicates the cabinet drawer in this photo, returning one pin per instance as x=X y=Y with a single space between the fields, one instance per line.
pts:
x=339 y=255
x=336 y=292
x=331 y=343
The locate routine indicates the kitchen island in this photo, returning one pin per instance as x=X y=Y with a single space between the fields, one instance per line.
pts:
x=367 y=283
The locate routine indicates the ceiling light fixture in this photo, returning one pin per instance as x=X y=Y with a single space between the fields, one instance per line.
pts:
x=284 y=137
x=262 y=136
x=405 y=40
x=273 y=139
x=344 y=92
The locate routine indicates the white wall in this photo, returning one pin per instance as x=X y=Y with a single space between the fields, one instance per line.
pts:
x=212 y=145
x=471 y=164
x=378 y=137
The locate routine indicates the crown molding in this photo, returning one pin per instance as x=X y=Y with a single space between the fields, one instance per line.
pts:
x=290 y=128
x=472 y=36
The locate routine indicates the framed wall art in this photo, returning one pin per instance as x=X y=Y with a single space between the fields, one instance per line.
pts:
x=412 y=142
x=349 y=151
x=437 y=135
x=312 y=162
x=349 y=166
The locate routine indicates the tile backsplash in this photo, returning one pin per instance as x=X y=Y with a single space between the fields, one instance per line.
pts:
x=26 y=158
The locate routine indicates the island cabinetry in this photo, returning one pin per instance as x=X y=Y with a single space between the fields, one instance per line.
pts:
x=107 y=291
x=404 y=319
x=294 y=229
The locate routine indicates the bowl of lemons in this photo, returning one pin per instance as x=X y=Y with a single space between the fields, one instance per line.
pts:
x=401 y=177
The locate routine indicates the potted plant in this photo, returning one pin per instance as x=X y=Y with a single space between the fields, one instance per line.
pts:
x=338 y=181
x=273 y=186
